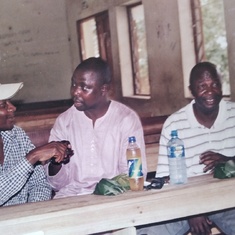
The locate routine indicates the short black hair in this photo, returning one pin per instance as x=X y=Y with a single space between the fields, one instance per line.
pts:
x=99 y=66
x=199 y=69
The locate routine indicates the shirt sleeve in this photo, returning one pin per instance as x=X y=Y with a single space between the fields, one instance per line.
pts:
x=39 y=188
x=13 y=180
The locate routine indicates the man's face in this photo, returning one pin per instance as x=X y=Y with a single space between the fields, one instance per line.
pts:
x=7 y=115
x=86 y=91
x=207 y=92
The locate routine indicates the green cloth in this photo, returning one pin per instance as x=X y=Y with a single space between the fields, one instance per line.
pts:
x=225 y=170
x=110 y=187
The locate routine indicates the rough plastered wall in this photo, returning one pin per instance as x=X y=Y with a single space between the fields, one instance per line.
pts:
x=34 y=48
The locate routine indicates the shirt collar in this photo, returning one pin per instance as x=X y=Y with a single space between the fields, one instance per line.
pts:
x=193 y=121
x=7 y=135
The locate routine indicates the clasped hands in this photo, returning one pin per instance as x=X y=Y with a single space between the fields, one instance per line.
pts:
x=56 y=151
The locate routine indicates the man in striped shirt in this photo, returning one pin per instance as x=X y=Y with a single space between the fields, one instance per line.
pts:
x=207 y=128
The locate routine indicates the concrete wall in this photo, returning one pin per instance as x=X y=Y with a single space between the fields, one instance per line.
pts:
x=34 y=48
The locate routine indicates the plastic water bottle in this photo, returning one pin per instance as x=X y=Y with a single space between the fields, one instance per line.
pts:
x=176 y=159
x=134 y=161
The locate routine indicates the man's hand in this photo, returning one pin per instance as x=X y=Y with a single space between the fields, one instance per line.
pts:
x=200 y=225
x=212 y=159
x=47 y=151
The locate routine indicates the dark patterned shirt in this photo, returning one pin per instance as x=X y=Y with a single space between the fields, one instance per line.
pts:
x=20 y=182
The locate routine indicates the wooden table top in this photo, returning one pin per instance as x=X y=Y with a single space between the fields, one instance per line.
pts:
x=89 y=214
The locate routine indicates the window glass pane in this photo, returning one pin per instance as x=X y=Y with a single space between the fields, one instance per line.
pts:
x=139 y=51
x=89 y=39
x=215 y=41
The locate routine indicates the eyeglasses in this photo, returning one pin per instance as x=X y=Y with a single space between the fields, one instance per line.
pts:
x=157 y=183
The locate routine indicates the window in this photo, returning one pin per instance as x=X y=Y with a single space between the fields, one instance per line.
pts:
x=210 y=36
x=138 y=49
x=88 y=39
x=132 y=51
x=94 y=37
x=94 y=40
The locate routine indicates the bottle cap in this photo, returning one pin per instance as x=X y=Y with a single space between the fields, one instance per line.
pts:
x=131 y=139
x=174 y=133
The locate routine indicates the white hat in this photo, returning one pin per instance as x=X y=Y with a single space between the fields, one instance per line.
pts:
x=7 y=91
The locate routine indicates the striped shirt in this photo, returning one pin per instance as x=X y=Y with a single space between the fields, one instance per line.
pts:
x=20 y=182
x=220 y=138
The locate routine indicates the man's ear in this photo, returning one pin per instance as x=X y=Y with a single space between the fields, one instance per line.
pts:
x=191 y=90
x=105 y=88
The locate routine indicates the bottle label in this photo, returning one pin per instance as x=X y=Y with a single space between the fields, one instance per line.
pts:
x=176 y=151
x=135 y=168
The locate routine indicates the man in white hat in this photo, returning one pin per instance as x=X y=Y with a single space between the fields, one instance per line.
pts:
x=22 y=177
